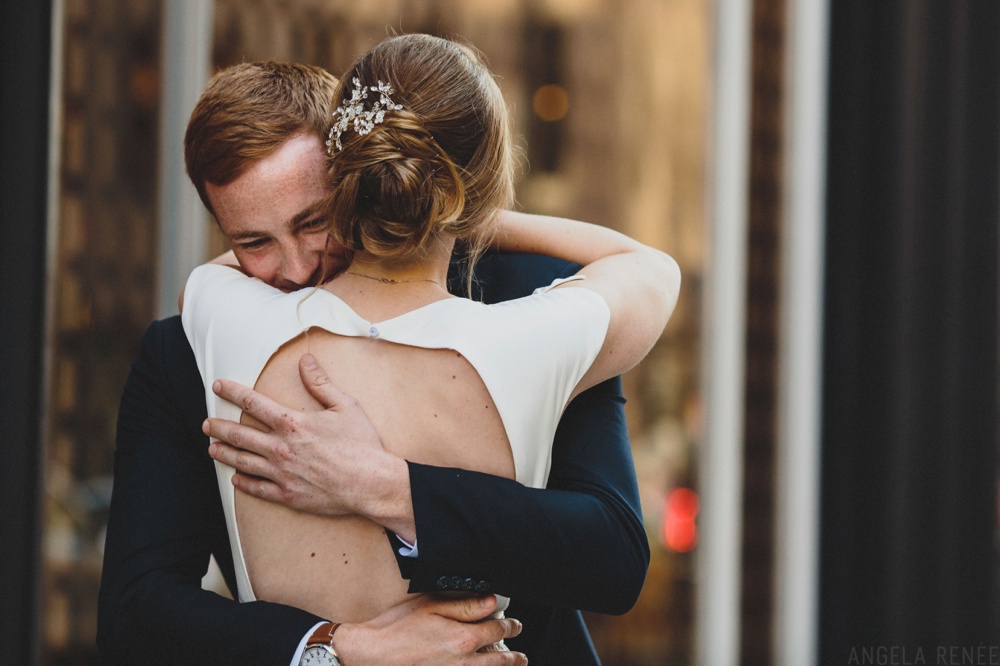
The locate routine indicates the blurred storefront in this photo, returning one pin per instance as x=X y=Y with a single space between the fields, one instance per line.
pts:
x=104 y=263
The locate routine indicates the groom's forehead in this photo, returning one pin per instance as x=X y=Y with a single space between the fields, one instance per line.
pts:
x=276 y=190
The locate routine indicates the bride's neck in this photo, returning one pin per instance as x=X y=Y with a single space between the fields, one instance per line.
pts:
x=433 y=265
x=379 y=289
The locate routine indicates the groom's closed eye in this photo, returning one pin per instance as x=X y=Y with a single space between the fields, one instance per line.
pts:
x=251 y=244
x=313 y=224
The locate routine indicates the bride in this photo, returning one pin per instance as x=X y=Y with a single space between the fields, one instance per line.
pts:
x=420 y=159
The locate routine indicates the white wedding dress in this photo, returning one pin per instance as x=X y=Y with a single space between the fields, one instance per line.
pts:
x=530 y=354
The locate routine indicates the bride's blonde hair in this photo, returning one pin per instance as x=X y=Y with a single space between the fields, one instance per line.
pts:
x=440 y=164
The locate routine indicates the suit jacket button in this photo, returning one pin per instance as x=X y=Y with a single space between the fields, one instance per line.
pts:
x=441 y=583
x=468 y=584
x=482 y=586
x=455 y=583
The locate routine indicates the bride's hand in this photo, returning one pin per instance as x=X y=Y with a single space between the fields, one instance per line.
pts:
x=328 y=462
x=431 y=632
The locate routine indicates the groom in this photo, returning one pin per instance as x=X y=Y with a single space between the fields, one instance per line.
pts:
x=254 y=150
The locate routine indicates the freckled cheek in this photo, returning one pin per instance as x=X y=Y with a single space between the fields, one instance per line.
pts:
x=316 y=241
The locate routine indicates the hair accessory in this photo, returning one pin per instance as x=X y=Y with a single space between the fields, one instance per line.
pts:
x=353 y=114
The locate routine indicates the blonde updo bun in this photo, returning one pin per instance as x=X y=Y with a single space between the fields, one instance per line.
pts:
x=440 y=165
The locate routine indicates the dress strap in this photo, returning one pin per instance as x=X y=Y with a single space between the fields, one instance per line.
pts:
x=559 y=281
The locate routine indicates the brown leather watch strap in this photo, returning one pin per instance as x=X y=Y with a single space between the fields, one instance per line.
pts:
x=324 y=635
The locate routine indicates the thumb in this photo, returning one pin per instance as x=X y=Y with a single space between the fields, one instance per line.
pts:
x=318 y=384
x=469 y=609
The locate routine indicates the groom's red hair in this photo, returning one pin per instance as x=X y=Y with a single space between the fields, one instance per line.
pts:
x=247 y=112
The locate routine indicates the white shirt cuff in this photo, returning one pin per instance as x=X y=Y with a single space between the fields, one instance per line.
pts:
x=408 y=549
x=302 y=644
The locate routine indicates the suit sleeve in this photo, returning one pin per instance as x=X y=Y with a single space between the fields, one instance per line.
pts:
x=166 y=519
x=579 y=543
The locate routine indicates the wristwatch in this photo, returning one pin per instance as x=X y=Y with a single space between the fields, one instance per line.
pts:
x=319 y=648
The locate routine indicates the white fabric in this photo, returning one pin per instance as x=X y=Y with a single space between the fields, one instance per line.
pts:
x=530 y=353
x=407 y=549
x=297 y=657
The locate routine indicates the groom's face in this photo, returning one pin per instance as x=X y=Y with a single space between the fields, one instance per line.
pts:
x=273 y=218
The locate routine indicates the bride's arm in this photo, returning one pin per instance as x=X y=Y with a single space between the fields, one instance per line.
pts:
x=639 y=283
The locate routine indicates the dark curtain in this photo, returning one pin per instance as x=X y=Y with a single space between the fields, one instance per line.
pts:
x=24 y=79
x=909 y=496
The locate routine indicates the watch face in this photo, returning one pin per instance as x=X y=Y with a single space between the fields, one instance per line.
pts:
x=318 y=656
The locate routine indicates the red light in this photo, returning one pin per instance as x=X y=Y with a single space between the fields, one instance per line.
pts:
x=680 y=532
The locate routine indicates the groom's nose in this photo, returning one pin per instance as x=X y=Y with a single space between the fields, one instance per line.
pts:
x=300 y=269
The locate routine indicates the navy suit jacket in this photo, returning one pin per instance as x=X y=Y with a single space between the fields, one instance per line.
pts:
x=579 y=544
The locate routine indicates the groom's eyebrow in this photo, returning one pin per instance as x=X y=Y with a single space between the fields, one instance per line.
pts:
x=307 y=213
x=243 y=235
x=296 y=220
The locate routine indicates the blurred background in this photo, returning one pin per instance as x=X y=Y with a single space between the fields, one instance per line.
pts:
x=815 y=435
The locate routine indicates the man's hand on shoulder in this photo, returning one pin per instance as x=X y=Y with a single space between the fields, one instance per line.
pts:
x=328 y=462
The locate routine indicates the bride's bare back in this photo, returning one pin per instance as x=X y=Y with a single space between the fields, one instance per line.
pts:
x=428 y=406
